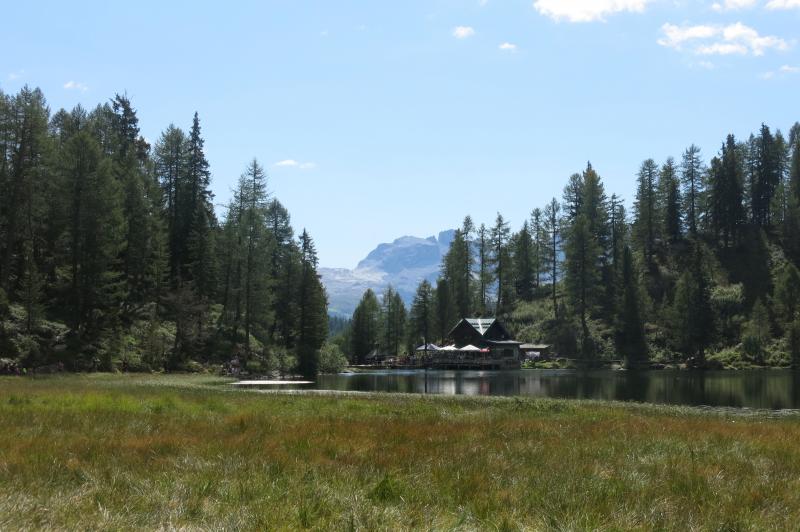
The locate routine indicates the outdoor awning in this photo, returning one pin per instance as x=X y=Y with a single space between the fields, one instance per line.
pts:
x=429 y=347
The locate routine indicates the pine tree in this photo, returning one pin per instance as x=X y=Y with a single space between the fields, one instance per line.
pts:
x=645 y=211
x=692 y=179
x=524 y=263
x=669 y=189
x=256 y=246
x=95 y=229
x=725 y=194
x=692 y=314
x=539 y=244
x=197 y=216
x=444 y=317
x=499 y=241
x=365 y=330
x=766 y=178
x=394 y=322
x=22 y=201
x=312 y=310
x=421 y=315
x=453 y=270
x=467 y=232
x=552 y=229
x=484 y=271
x=629 y=325
x=582 y=275
x=170 y=168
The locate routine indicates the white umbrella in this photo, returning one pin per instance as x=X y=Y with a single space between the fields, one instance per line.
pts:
x=449 y=348
x=470 y=348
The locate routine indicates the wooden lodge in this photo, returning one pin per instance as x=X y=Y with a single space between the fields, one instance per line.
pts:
x=478 y=343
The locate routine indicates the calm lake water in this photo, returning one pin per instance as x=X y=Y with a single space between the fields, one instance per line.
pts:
x=768 y=389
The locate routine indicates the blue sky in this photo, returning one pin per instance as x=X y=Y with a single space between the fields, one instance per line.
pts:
x=380 y=119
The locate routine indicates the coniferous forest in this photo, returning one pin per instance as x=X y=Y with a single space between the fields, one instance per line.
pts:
x=699 y=269
x=112 y=255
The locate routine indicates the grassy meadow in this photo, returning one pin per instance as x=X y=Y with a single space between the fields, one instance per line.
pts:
x=146 y=452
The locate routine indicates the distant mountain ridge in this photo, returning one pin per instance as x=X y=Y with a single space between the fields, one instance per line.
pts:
x=403 y=264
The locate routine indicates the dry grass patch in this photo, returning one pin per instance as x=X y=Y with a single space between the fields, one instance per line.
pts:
x=142 y=452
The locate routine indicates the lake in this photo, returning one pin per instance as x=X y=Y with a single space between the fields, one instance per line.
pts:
x=767 y=389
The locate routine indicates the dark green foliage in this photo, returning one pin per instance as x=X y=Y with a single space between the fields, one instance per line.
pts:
x=421 y=319
x=692 y=314
x=393 y=313
x=726 y=193
x=646 y=224
x=629 y=325
x=122 y=245
x=692 y=181
x=500 y=236
x=670 y=202
x=312 y=323
x=787 y=294
x=366 y=327
x=525 y=263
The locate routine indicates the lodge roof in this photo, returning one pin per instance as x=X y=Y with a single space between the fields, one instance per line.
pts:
x=481 y=325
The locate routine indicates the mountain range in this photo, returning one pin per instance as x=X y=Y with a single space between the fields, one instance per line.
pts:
x=403 y=264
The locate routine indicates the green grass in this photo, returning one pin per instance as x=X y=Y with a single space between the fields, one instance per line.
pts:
x=142 y=452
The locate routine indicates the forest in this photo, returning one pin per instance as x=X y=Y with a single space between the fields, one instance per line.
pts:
x=701 y=270
x=112 y=255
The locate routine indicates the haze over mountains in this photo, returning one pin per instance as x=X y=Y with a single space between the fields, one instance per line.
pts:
x=403 y=264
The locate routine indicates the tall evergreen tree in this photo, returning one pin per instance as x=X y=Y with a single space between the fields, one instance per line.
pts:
x=312 y=327
x=669 y=190
x=629 y=325
x=484 y=270
x=645 y=211
x=394 y=322
x=500 y=260
x=524 y=263
x=582 y=275
x=692 y=179
x=552 y=228
x=422 y=315
x=366 y=327
x=725 y=195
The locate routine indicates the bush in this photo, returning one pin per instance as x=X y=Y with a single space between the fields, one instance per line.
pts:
x=331 y=359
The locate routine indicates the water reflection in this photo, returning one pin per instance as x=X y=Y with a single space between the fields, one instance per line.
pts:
x=773 y=389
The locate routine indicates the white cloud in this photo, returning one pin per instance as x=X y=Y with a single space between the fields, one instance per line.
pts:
x=587 y=10
x=483 y=3
x=720 y=40
x=508 y=47
x=790 y=69
x=675 y=36
x=76 y=85
x=462 y=32
x=291 y=163
x=783 y=4
x=733 y=5
x=16 y=75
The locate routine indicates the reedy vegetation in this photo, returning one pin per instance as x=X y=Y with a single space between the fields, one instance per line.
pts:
x=111 y=253
x=184 y=452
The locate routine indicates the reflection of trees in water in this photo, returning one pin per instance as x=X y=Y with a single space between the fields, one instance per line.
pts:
x=755 y=389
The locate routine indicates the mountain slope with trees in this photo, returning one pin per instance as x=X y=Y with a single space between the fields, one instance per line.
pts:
x=701 y=270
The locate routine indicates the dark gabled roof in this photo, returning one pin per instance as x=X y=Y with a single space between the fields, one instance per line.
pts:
x=481 y=326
